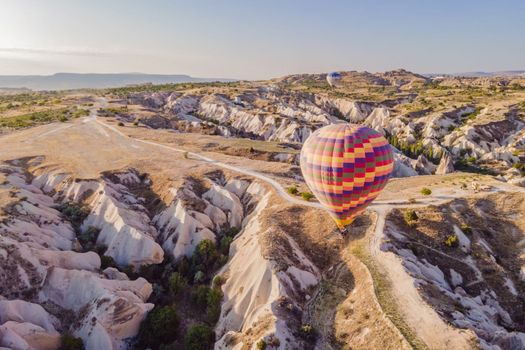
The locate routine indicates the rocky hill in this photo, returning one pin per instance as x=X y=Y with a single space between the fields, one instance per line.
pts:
x=472 y=126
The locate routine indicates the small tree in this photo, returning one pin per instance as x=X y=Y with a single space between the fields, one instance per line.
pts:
x=107 y=261
x=69 y=342
x=176 y=282
x=199 y=277
x=292 y=190
x=160 y=327
x=261 y=345
x=199 y=337
x=224 y=246
x=200 y=296
x=218 y=281
x=452 y=241
x=213 y=308
x=426 y=191
x=307 y=196
x=466 y=229
x=205 y=253
x=410 y=216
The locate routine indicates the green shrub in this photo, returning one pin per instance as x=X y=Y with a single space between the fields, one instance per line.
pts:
x=40 y=117
x=466 y=229
x=222 y=260
x=261 y=345
x=307 y=196
x=200 y=296
x=120 y=124
x=69 y=342
x=306 y=328
x=205 y=251
x=176 y=282
x=159 y=327
x=520 y=167
x=307 y=332
x=88 y=238
x=218 y=281
x=426 y=191
x=107 y=261
x=80 y=113
x=470 y=160
x=205 y=255
x=213 y=308
x=74 y=212
x=224 y=246
x=232 y=231
x=410 y=216
x=452 y=241
x=135 y=123
x=183 y=266
x=199 y=337
x=292 y=190
x=199 y=277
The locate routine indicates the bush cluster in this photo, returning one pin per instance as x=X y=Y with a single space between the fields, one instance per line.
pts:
x=199 y=337
x=292 y=190
x=410 y=217
x=307 y=196
x=426 y=191
x=208 y=299
x=69 y=342
x=159 y=327
x=74 y=212
x=452 y=241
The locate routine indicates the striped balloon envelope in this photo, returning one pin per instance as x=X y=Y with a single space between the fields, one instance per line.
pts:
x=346 y=166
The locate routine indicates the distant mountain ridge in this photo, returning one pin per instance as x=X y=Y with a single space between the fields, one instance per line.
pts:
x=66 y=81
x=506 y=73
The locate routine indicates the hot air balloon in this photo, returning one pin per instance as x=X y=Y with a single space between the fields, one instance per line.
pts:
x=346 y=166
x=333 y=79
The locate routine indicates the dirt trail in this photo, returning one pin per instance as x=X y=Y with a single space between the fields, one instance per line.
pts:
x=88 y=136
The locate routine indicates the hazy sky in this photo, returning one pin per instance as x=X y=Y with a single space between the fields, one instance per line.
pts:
x=260 y=38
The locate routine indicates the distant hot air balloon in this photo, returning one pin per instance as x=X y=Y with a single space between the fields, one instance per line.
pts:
x=333 y=79
x=346 y=166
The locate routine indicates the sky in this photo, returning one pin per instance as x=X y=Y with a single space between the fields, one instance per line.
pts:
x=252 y=39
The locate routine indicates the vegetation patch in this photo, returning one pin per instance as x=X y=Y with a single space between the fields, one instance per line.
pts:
x=74 y=212
x=307 y=196
x=426 y=191
x=69 y=342
x=159 y=327
x=452 y=241
x=36 y=118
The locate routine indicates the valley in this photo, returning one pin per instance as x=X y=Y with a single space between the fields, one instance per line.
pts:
x=174 y=216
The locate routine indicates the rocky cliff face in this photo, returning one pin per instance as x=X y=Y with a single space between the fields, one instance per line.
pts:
x=56 y=231
x=40 y=266
x=487 y=135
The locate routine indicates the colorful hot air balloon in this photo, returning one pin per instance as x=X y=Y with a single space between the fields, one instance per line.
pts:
x=333 y=79
x=346 y=166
